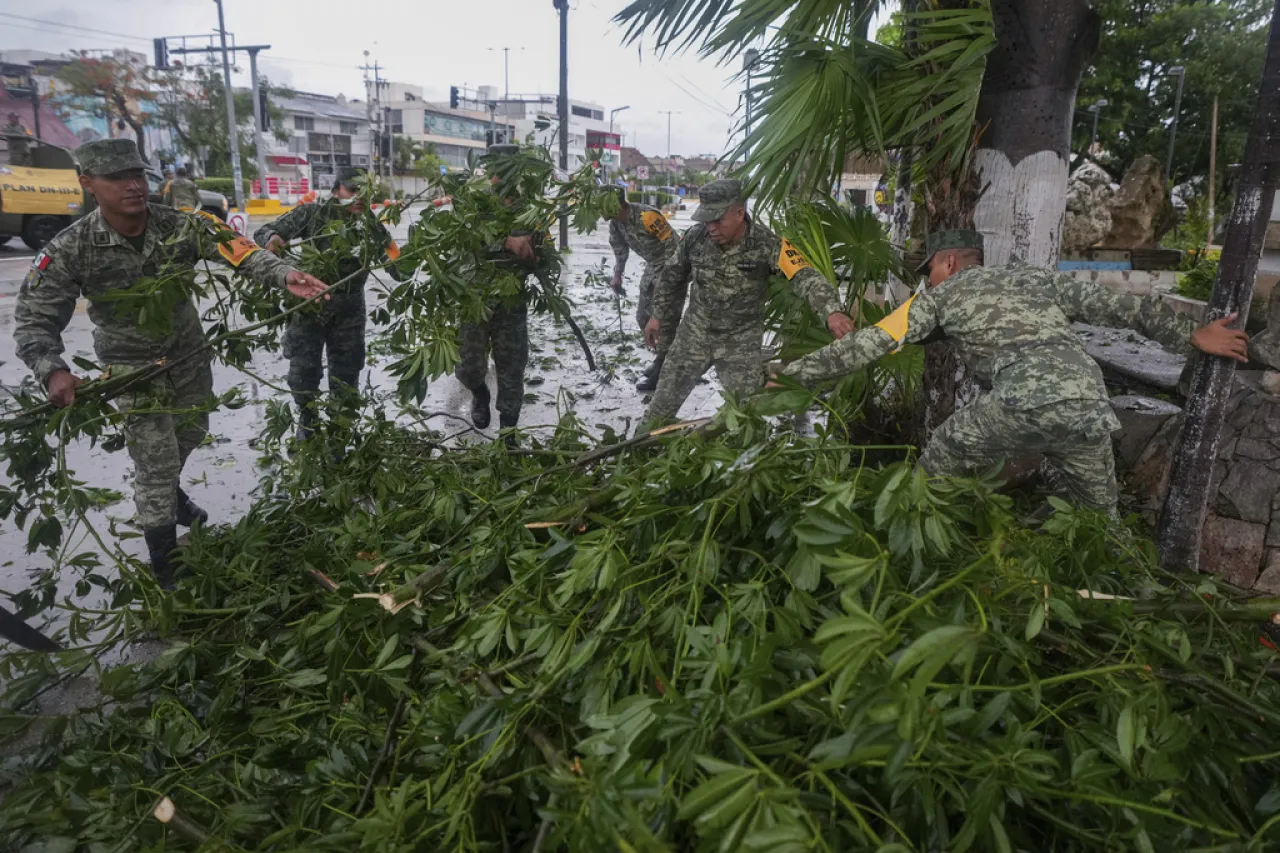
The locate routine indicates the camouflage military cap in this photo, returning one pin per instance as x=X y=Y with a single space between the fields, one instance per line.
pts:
x=717 y=197
x=109 y=156
x=940 y=241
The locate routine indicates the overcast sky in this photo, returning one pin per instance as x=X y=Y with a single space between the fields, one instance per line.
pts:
x=318 y=46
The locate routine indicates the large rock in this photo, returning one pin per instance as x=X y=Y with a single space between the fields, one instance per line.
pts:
x=1265 y=348
x=1088 y=208
x=1232 y=549
x=1140 y=419
x=1141 y=208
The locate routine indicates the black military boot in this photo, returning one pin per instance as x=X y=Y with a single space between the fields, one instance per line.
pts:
x=480 y=415
x=650 y=381
x=507 y=424
x=306 y=422
x=162 y=542
x=189 y=514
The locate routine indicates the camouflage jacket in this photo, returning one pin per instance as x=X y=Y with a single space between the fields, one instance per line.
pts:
x=647 y=232
x=1012 y=326
x=730 y=284
x=307 y=221
x=181 y=192
x=89 y=259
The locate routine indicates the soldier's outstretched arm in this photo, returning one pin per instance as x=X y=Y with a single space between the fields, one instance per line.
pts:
x=291 y=226
x=914 y=321
x=245 y=256
x=46 y=301
x=1087 y=302
x=813 y=287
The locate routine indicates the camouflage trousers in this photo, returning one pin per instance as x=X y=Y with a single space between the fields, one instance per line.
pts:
x=736 y=355
x=335 y=331
x=506 y=333
x=1074 y=436
x=668 y=325
x=171 y=420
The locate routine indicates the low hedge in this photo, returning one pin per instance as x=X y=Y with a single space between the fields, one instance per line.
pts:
x=226 y=186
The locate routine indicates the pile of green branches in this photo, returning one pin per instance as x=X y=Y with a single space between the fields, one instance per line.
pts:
x=721 y=638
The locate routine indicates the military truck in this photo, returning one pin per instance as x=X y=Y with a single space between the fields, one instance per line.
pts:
x=41 y=198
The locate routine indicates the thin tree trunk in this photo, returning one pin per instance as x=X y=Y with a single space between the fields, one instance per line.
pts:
x=1191 y=473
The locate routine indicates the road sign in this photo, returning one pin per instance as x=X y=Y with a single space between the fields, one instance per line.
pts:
x=239 y=223
x=444 y=170
x=642 y=172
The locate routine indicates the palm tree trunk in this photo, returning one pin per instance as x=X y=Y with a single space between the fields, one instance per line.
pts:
x=1028 y=94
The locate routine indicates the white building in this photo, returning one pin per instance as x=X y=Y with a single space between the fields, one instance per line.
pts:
x=536 y=117
x=325 y=132
x=452 y=134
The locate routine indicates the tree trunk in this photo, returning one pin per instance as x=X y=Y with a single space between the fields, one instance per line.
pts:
x=1191 y=473
x=1028 y=93
x=1024 y=111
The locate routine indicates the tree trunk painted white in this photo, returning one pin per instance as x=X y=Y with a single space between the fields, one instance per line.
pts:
x=1023 y=208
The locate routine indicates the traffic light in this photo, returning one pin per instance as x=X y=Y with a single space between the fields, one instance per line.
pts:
x=162 y=53
x=453 y=97
x=265 y=104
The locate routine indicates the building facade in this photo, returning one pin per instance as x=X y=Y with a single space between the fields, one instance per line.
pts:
x=327 y=134
x=451 y=134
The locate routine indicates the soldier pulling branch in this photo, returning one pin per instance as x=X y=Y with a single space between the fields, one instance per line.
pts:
x=1012 y=325
x=123 y=243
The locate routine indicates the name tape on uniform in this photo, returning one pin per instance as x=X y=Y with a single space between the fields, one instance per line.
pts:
x=656 y=224
x=791 y=261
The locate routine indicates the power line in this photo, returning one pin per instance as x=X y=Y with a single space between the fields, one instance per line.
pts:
x=49 y=23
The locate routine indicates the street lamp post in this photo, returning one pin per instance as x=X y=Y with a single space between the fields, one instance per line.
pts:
x=1096 y=108
x=1181 y=74
x=612 y=113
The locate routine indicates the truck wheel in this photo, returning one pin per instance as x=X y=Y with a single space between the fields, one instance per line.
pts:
x=39 y=230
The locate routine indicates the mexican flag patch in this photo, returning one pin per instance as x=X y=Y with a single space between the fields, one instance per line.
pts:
x=41 y=261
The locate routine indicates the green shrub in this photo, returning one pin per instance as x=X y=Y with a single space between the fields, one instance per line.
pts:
x=647 y=197
x=226 y=186
x=1197 y=283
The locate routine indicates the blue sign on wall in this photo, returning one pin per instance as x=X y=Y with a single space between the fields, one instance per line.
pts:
x=444 y=170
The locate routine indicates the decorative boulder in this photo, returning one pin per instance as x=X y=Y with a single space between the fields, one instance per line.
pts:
x=1141 y=209
x=1088 y=208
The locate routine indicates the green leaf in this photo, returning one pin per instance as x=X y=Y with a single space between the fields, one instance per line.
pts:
x=1126 y=733
x=1035 y=621
x=932 y=650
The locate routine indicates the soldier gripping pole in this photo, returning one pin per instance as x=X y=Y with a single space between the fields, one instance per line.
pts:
x=1178 y=530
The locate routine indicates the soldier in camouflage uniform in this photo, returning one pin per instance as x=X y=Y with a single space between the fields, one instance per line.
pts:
x=336 y=328
x=19 y=141
x=505 y=332
x=729 y=258
x=181 y=192
x=645 y=230
x=123 y=241
x=1012 y=326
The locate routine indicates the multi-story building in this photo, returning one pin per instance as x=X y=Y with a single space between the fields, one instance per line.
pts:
x=326 y=132
x=451 y=134
x=535 y=118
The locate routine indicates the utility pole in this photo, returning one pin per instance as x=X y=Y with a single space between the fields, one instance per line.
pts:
x=1096 y=108
x=563 y=7
x=257 y=123
x=669 y=114
x=506 y=69
x=1191 y=470
x=233 y=135
x=368 y=99
x=1173 y=129
x=749 y=62
x=1213 y=167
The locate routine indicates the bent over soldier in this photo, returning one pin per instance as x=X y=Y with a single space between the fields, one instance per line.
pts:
x=727 y=258
x=644 y=230
x=336 y=329
x=125 y=241
x=1012 y=326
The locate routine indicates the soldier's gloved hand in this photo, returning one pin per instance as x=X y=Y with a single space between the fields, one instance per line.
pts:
x=305 y=286
x=275 y=244
x=521 y=247
x=1216 y=339
x=839 y=324
x=651 y=332
x=61 y=386
x=616 y=284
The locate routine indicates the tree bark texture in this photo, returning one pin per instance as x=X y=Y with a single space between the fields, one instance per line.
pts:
x=1183 y=515
x=1024 y=112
